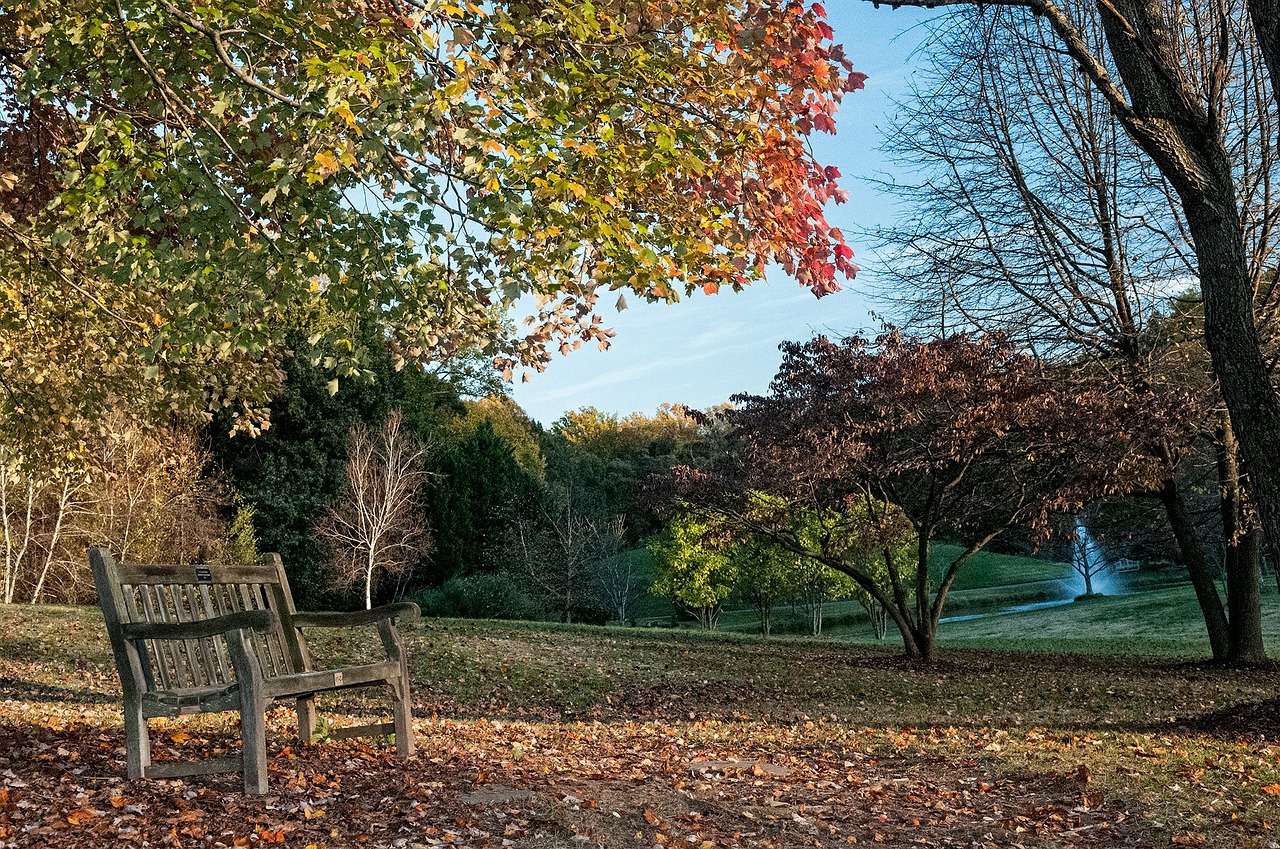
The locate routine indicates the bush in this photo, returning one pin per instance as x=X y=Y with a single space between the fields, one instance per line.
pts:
x=482 y=596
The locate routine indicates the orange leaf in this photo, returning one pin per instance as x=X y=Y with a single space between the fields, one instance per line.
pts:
x=1272 y=789
x=79 y=815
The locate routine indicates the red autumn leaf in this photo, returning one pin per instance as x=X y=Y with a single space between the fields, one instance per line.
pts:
x=855 y=81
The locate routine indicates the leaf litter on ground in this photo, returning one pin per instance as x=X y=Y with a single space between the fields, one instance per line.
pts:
x=673 y=742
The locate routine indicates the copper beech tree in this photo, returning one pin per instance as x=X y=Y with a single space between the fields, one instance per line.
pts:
x=960 y=438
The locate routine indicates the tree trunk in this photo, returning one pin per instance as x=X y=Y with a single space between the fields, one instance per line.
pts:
x=1243 y=377
x=1170 y=123
x=1244 y=600
x=916 y=647
x=1266 y=25
x=1243 y=557
x=1215 y=619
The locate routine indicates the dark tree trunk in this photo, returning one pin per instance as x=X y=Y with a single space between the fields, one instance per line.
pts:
x=1215 y=619
x=1170 y=123
x=1266 y=25
x=1244 y=598
x=1242 y=555
x=1246 y=387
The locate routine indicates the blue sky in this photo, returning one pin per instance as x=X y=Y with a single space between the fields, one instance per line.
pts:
x=706 y=348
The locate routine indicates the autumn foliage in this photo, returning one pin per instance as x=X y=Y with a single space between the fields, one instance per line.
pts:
x=250 y=169
x=964 y=436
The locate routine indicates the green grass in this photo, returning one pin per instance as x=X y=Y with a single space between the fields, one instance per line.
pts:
x=987 y=569
x=1165 y=621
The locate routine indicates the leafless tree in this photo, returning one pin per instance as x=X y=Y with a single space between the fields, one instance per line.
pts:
x=1036 y=213
x=34 y=518
x=147 y=494
x=376 y=526
x=571 y=556
x=1087 y=559
x=619 y=584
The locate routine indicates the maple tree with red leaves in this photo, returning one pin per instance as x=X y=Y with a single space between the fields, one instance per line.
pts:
x=439 y=166
x=965 y=436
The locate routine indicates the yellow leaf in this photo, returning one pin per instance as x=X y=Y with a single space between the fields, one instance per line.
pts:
x=327 y=163
x=344 y=112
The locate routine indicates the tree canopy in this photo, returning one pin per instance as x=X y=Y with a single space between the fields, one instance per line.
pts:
x=964 y=437
x=178 y=182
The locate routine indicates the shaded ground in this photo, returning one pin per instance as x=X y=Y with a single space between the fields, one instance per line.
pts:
x=480 y=783
x=567 y=737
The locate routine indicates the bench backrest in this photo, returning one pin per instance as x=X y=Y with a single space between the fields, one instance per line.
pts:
x=151 y=593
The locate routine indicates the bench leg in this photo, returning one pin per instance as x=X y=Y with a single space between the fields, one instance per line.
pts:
x=394 y=647
x=253 y=734
x=403 y=719
x=307 y=718
x=137 y=744
x=253 y=711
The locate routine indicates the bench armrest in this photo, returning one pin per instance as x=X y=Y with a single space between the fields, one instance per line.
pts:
x=254 y=620
x=404 y=610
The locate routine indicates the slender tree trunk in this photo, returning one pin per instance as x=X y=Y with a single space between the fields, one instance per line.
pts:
x=63 y=501
x=1215 y=619
x=913 y=645
x=926 y=638
x=1242 y=555
x=1244 y=600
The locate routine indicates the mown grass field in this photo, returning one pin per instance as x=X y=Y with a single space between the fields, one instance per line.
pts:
x=567 y=736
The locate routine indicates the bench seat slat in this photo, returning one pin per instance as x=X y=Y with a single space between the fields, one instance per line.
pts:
x=190 y=700
x=321 y=680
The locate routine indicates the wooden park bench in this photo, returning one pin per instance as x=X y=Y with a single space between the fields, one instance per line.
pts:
x=208 y=638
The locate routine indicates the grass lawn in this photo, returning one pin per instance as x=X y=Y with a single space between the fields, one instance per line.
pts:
x=987 y=569
x=565 y=736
